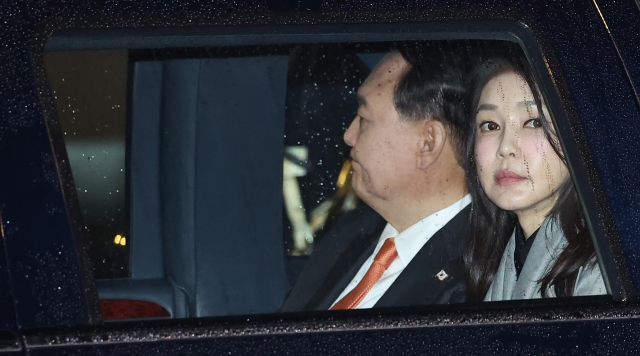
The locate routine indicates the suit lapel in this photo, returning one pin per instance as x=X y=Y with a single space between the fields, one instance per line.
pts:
x=345 y=268
x=418 y=283
x=342 y=246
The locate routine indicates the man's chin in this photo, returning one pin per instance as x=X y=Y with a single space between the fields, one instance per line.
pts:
x=356 y=185
x=361 y=191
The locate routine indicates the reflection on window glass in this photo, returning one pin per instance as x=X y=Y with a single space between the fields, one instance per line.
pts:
x=306 y=177
x=89 y=89
x=321 y=85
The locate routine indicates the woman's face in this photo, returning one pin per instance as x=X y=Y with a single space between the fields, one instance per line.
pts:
x=518 y=169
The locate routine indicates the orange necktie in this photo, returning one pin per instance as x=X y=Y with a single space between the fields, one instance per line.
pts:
x=381 y=262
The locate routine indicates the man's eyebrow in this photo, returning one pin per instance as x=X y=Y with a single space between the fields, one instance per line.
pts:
x=527 y=103
x=489 y=107
x=361 y=100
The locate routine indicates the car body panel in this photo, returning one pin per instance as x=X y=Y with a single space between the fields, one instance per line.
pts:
x=595 y=80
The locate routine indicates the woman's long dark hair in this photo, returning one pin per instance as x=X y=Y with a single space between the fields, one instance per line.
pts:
x=491 y=227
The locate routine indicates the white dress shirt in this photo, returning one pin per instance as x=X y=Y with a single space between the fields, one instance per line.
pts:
x=408 y=243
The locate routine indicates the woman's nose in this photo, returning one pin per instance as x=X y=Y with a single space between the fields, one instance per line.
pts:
x=509 y=144
x=351 y=135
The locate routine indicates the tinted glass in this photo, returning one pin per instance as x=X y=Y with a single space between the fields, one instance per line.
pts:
x=256 y=179
x=90 y=95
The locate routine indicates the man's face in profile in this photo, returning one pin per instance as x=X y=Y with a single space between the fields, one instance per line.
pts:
x=383 y=147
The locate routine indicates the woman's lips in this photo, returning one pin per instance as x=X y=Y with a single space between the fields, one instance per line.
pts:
x=506 y=177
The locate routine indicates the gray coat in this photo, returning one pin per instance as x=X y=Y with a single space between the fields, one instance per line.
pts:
x=544 y=251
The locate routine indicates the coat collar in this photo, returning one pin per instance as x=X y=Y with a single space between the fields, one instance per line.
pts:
x=548 y=244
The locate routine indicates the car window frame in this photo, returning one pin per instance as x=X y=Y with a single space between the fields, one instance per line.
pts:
x=595 y=204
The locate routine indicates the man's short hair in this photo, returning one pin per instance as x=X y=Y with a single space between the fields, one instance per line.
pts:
x=435 y=86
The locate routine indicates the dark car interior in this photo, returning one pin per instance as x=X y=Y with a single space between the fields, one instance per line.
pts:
x=230 y=165
x=204 y=152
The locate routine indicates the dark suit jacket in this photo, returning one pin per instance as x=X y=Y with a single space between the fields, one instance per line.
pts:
x=343 y=250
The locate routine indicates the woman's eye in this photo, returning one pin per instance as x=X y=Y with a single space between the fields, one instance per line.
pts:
x=533 y=123
x=489 y=126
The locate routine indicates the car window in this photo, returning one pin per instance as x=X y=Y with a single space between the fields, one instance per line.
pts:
x=90 y=93
x=237 y=180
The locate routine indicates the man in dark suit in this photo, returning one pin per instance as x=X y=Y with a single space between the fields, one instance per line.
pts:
x=407 y=149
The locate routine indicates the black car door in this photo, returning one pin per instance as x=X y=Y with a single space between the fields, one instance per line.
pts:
x=218 y=182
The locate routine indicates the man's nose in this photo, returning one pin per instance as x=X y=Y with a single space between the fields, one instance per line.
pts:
x=351 y=135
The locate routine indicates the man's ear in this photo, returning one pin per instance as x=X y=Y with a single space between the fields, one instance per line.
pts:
x=433 y=136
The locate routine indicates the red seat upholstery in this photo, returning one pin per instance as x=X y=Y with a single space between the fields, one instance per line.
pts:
x=117 y=309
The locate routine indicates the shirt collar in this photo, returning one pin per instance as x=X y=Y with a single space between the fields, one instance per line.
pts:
x=411 y=240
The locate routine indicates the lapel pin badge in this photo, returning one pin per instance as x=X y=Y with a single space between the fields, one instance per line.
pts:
x=442 y=275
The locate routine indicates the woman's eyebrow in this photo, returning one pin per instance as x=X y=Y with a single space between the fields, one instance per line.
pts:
x=527 y=103
x=488 y=107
